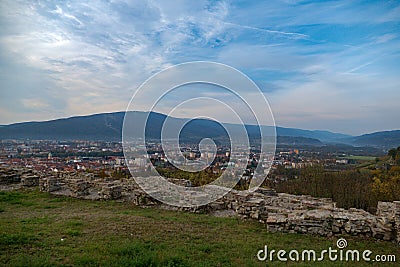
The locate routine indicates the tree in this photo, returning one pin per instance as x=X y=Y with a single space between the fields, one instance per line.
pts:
x=392 y=153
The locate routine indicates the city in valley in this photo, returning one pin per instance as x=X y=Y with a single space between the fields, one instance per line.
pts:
x=107 y=159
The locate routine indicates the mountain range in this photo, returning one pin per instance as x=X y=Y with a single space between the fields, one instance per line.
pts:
x=108 y=127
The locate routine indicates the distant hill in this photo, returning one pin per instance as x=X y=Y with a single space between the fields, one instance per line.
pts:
x=324 y=136
x=385 y=139
x=108 y=127
x=298 y=141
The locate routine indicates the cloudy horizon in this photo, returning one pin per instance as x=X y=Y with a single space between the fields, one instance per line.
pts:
x=329 y=65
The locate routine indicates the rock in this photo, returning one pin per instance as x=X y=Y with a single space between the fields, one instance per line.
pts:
x=10 y=176
x=49 y=184
x=276 y=218
x=382 y=228
x=386 y=209
x=110 y=191
x=78 y=187
x=266 y=191
x=30 y=180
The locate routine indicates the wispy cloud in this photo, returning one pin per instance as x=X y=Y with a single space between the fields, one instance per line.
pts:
x=290 y=34
x=75 y=57
x=360 y=66
x=385 y=38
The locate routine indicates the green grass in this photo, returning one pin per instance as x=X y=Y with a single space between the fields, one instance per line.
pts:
x=108 y=233
x=363 y=158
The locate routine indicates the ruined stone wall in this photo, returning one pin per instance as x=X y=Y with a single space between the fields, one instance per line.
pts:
x=88 y=186
x=305 y=214
x=277 y=211
x=18 y=176
x=386 y=209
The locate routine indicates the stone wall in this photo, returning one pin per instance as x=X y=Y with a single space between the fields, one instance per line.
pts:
x=11 y=178
x=29 y=180
x=386 y=209
x=305 y=214
x=390 y=211
x=88 y=186
x=110 y=191
x=278 y=212
x=12 y=175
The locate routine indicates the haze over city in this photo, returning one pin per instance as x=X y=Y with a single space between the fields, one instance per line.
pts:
x=322 y=65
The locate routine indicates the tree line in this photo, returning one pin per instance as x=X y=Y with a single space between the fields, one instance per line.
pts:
x=357 y=188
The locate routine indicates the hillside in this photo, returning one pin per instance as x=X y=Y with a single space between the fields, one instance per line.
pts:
x=385 y=139
x=324 y=136
x=108 y=127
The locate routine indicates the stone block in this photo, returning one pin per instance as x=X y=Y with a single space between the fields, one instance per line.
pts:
x=30 y=180
x=109 y=191
x=49 y=184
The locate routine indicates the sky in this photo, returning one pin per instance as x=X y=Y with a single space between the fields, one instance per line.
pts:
x=328 y=65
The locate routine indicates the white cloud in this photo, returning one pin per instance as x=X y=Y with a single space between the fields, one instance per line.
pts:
x=34 y=104
x=385 y=38
x=87 y=57
x=347 y=103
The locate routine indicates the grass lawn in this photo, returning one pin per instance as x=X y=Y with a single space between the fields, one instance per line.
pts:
x=37 y=229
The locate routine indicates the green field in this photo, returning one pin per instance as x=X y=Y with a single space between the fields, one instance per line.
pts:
x=38 y=229
x=359 y=157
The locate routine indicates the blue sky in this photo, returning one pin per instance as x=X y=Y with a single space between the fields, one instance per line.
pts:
x=331 y=65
